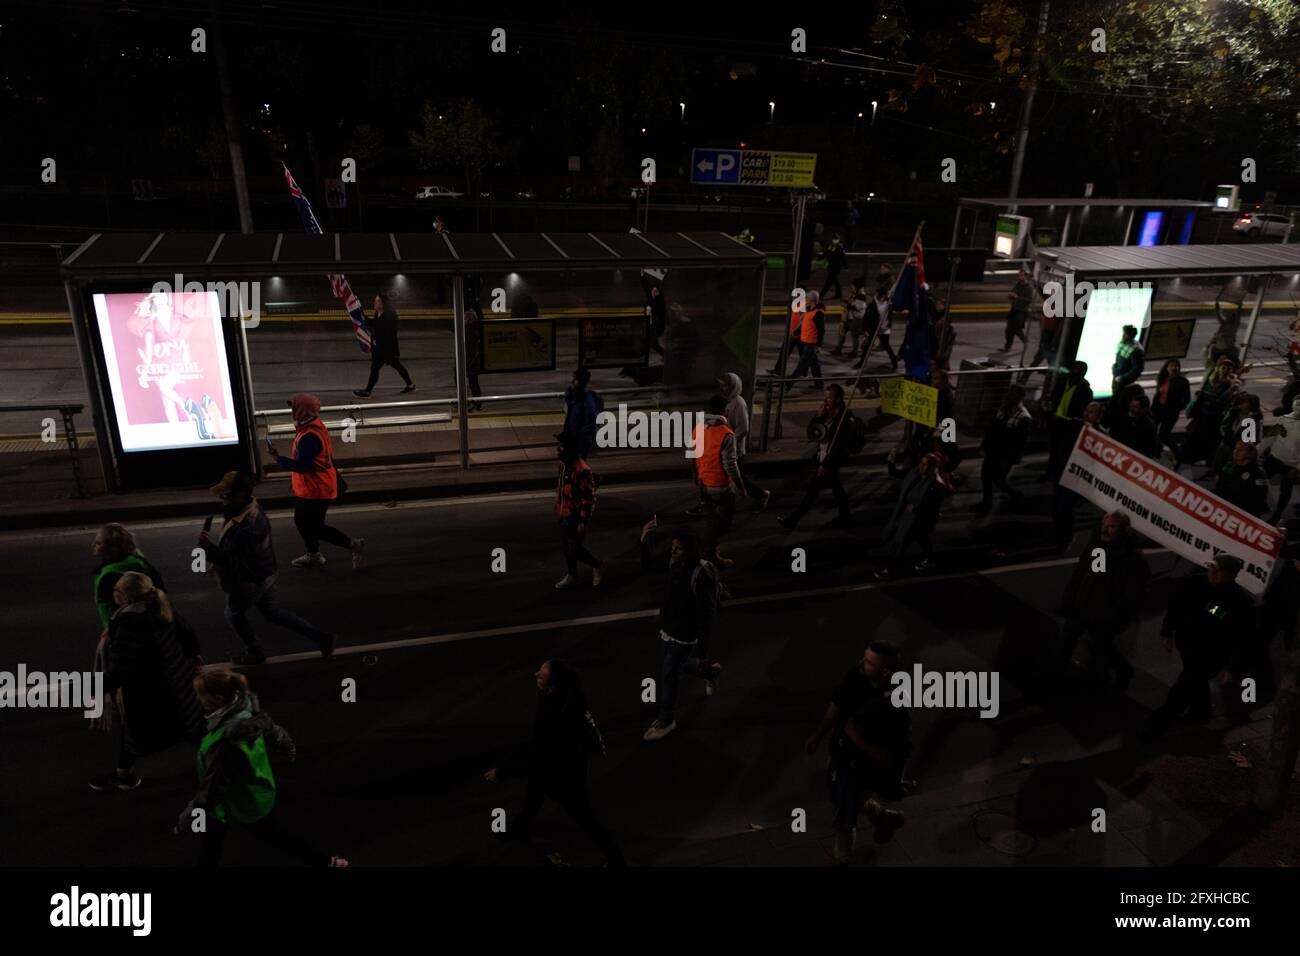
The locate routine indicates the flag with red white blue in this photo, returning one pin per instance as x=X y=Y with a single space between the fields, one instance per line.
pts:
x=338 y=281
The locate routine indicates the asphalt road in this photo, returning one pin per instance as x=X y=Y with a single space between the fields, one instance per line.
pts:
x=442 y=650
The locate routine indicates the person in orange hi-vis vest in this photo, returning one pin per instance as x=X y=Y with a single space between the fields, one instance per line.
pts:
x=315 y=483
x=717 y=475
x=812 y=329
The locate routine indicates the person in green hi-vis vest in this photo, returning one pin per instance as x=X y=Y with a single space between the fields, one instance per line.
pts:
x=117 y=552
x=236 y=783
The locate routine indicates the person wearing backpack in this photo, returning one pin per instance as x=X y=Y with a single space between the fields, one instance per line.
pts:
x=555 y=761
x=690 y=603
x=841 y=433
x=236 y=784
x=582 y=406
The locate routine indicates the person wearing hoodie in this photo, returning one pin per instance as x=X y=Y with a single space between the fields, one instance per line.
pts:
x=717 y=475
x=1280 y=453
x=148 y=661
x=236 y=782
x=575 y=500
x=691 y=599
x=554 y=761
x=582 y=407
x=737 y=414
x=811 y=331
x=1103 y=599
x=243 y=557
x=316 y=483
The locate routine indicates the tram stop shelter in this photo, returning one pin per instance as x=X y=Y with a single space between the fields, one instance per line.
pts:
x=1125 y=281
x=168 y=372
x=1108 y=219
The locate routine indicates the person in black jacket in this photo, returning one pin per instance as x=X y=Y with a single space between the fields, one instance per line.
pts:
x=384 y=349
x=1136 y=429
x=690 y=603
x=915 y=514
x=555 y=760
x=1242 y=481
x=1208 y=614
x=1104 y=594
x=1173 y=394
x=836 y=261
x=832 y=451
x=149 y=663
x=1004 y=443
x=243 y=557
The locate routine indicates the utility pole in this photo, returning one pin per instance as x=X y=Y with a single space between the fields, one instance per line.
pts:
x=1026 y=108
x=232 y=126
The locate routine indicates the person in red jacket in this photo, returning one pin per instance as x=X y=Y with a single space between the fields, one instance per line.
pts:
x=575 y=500
x=315 y=483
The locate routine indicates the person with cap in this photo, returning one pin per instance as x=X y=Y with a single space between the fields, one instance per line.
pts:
x=1208 y=614
x=1280 y=453
x=811 y=331
x=384 y=349
x=316 y=483
x=575 y=500
x=243 y=556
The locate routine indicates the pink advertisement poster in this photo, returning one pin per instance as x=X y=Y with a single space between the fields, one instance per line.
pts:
x=167 y=369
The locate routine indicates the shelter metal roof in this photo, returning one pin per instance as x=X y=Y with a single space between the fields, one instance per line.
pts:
x=1090 y=201
x=230 y=255
x=1173 y=261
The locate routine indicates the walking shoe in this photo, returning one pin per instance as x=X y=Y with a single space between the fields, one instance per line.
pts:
x=327 y=647
x=338 y=861
x=711 y=685
x=312 y=559
x=361 y=393
x=252 y=655
x=567 y=581
x=597 y=576
x=658 y=730
x=358 y=552
x=114 y=781
x=882 y=574
x=762 y=503
x=843 y=851
x=922 y=565
x=888 y=822
x=410 y=387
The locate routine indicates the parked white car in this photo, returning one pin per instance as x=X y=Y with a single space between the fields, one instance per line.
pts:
x=1255 y=224
x=437 y=192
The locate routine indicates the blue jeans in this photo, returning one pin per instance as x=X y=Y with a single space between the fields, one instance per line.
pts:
x=677 y=657
x=238 y=606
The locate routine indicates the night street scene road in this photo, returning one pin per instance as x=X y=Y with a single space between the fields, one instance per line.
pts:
x=524 y=440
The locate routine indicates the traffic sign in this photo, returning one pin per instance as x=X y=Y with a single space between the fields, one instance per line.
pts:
x=751 y=167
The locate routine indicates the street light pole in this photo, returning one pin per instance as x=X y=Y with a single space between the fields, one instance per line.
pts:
x=1026 y=108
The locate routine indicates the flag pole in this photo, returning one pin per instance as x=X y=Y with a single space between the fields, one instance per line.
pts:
x=848 y=401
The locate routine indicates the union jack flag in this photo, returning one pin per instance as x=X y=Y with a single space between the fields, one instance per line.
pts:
x=338 y=281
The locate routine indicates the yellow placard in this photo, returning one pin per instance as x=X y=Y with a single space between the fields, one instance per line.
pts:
x=911 y=400
x=519 y=345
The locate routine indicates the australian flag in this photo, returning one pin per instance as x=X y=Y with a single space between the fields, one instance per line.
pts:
x=911 y=296
x=338 y=281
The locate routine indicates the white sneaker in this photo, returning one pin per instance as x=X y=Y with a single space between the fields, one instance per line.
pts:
x=567 y=581
x=309 y=560
x=358 y=552
x=658 y=731
x=597 y=575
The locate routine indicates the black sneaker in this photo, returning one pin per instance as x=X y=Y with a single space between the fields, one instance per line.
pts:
x=113 y=781
x=327 y=647
x=409 y=388
x=252 y=655
x=360 y=393
x=788 y=521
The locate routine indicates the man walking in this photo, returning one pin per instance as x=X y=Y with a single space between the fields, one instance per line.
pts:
x=718 y=477
x=832 y=451
x=1104 y=594
x=869 y=745
x=1004 y=443
x=836 y=260
x=812 y=329
x=384 y=349
x=685 y=623
x=315 y=483
x=737 y=413
x=1071 y=394
x=575 y=500
x=1021 y=296
x=244 y=559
